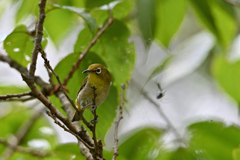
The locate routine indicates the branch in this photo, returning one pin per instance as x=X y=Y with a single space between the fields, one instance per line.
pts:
x=24 y=150
x=67 y=130
x=45 y=86
x=58 y=79
x=38 y=39
x=13 y=96
x=81 y=130
x=20 y=134
x=95 y=119
x=115 y=147
x=75 y=66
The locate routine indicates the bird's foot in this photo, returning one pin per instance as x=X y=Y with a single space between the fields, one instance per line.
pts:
x=94 y=107
x=94 y=121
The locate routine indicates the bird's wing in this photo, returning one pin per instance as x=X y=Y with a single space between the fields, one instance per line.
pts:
x=83 y=84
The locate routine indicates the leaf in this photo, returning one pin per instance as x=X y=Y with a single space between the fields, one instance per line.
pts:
x=66 y=151
x=141 y=144
x=100 y=15
x=169 y=15
x=114 y=49
x=146 y=19
x=122 y=9
x=219 y=18
x=90 y=4
x=19 y=45
x=91 y=22
x=26 y=8
x=228 y=75
x=181 y=154
x=84 y=39
x=4 y=90
x=58 y=23
x=236 y=154
x=214 y=138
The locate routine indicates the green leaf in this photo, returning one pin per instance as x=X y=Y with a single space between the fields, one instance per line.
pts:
x=141 y=145
x=58 y=23
x=26 y=8
x=91 y=22
x=66 y=151
x=100 y=15
x=228 y=75
x=84 y=39
x=19 y=45
x=169 y=15
x=4 y=90
x=236 y=154
x=114 y=49
x=122 y=9
x=179 y=154
x=219 y=18
x=90 y=4
x=109 y=154
x=215 y=139
x=146 y=19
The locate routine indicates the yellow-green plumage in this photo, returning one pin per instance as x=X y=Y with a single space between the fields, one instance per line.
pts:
x=100 y=78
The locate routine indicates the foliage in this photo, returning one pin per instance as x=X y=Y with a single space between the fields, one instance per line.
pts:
x=156 y=21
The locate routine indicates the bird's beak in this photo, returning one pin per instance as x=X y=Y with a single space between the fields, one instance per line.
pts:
x=88 y=71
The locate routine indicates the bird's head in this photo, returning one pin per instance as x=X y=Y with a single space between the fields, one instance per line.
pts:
x=98 y=71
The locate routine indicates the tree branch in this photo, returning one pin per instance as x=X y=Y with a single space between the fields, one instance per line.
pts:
x=38 y=39
x=115 y=147
x=59 y=81
x=83 y=54
x=67 y=130
x=13 y=96
x=24 y=150
x=46 y=88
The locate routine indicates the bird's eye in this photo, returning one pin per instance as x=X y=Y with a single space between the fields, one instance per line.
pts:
x=99 y=70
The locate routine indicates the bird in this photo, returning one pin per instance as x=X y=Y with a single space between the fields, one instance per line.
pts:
x=100 y=79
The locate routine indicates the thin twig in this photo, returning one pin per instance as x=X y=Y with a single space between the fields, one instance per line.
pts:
x=24 y=150
x=94 y=121
x=115 y=147
x=38 y=39
x=21 y=99
x=169 y=124
x=83 y=54
x=47 y=68
x=81 y=129
x=11 y=96
x=59 y=81
x=21 y=133
x=67 y=130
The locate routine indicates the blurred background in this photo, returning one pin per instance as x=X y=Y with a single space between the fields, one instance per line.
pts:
x=191 y=48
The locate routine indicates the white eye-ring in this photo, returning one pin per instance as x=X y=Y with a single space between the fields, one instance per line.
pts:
x=99 y=70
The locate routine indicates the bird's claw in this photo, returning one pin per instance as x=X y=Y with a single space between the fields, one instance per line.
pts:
x=94 y=121
x=94 y=107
